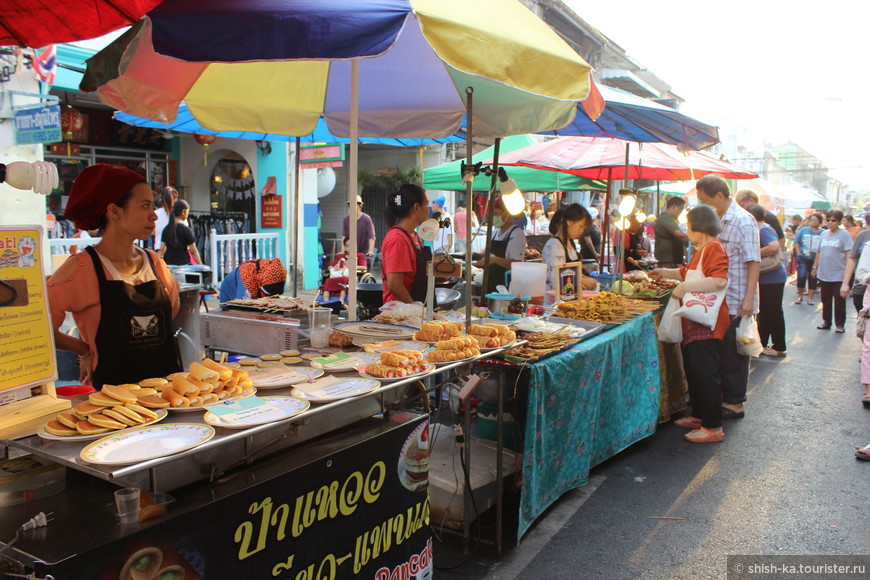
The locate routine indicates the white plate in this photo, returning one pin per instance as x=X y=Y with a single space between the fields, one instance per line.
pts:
x=375 y=330
x=357 y=359
x=279 y=378
x=245 y=394
x=422 y=453
x=450 y=362
x=330 y=389
x=161 y=414
x=144 y=443
x=402 y=345
x=287 y=407
x=429 y=368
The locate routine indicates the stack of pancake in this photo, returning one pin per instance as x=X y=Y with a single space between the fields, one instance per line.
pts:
x=113 y=408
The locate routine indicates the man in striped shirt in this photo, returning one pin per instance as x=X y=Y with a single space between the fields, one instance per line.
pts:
x=741 y=239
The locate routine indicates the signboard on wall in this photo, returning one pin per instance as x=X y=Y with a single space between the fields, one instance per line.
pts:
x=315 y=156
x=26 y=337
x=272 y=212
x=37 y=125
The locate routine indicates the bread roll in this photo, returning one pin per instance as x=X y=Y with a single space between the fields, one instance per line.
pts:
x=501 y=328
x=394 y=359
x=172 y=396
x=203 y=373
x=195 y=401
x=224 y=372
x=385 y=371
x=483 y=330
x=183 y=387
x=173 y=376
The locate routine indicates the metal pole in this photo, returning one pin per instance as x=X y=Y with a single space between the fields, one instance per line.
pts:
x=296 y=213
x=489 y=208
x=351 y=188
x=469 y=207
x=605 y=223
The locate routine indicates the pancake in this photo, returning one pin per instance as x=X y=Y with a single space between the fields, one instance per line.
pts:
x=85 y=408
x=270 y=357
x=55 y=427
x=104 y=420
x=101 y=399
x=250 y=362
x=155 y=383
x=88 y=428
x=145 y=392
x=140 y=410
x=291 y=360
x=121 y=393
x=290 y=353
x=152 y=402
x=69 y=420
x=119 y=417
x=128 y=386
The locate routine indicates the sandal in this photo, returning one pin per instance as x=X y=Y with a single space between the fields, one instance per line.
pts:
x=688 y=422
x=840 y=330
x=798 y=301
x=702 y=435
x=810 y=303
x=732 y=414
x=824 y=327
x=773 y=352
x=862 y=453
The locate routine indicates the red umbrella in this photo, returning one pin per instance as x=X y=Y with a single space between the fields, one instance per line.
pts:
x=605 y=158
x=37 y=23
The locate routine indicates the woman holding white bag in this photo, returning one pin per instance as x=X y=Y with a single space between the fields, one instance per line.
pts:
x=705 y=276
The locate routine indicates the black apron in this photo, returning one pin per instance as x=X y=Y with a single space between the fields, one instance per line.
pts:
x=134 y=339
x=496 y=272
x=423 y=255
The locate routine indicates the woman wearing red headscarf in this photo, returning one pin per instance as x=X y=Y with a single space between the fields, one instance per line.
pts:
x=122 y=298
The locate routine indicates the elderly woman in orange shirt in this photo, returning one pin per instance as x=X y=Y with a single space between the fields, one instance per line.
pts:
x=123 y=298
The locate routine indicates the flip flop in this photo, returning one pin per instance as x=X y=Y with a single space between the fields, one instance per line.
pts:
x=732 y=414
x=866 y=400
x=810 y=303
x=701 y=435
x=688 y=422
x=798 y=301
x=865 y=456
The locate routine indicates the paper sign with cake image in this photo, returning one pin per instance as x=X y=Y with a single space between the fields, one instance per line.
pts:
x=569 y=277
x=414 y=459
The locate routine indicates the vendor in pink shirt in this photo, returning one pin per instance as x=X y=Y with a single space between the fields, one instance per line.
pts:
x=403 y=254
x=122 y=298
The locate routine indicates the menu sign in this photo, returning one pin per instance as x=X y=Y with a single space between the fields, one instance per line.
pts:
x=272 y=215
x=26 y=337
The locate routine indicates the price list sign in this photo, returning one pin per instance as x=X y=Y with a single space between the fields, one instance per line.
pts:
x=27 y=355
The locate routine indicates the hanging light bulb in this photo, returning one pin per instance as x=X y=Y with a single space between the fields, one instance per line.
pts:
x=513 y=199
x=640 y=216
x=626 y=205
x=621 y=223
x=683 y=219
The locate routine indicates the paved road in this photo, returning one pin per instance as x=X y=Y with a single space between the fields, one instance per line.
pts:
x=784 y=481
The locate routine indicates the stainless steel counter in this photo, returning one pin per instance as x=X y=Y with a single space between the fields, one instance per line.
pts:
x=230 y=448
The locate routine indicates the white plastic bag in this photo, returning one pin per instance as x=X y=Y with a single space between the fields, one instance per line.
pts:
x=748 y=339
x=671 y=326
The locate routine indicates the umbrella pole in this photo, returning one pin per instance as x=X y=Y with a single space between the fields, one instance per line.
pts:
x=605 y=223
x=296 y=186
x=489 y=210
x=351 y=188
x=469 y=208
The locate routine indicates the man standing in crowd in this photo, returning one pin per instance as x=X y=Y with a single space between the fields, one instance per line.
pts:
x=747 y=198
x=442 y=244
x=742 y=242
x=365 y=233
x=670 y=250
x=856 y=290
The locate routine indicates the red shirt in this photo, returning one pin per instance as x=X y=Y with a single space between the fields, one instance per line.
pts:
x=398 y=255
x=715 y=266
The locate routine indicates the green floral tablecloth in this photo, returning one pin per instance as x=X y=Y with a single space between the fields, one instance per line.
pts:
x=585 y=405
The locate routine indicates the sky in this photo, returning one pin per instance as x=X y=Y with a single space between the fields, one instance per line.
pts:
x=787 y=71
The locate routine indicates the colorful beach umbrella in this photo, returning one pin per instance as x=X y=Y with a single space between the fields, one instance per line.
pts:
x=277 y=67
x=605 y=158
x=38 y=23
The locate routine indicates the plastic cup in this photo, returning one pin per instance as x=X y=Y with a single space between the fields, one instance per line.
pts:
x=318 y=326
x=127 y=504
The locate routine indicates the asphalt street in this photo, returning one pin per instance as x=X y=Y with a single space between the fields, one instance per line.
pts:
x=784 y=482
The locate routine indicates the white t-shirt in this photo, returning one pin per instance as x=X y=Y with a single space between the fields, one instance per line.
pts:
x=440 y=245
x=554 y=255
x=162 y=221
x=516 y=248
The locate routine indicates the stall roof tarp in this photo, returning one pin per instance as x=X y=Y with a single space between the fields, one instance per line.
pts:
x=448 y=176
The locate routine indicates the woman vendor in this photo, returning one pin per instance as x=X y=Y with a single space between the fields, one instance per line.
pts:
x=122 y=298
x=508 y=245
x=403 y=255
x=567 y=225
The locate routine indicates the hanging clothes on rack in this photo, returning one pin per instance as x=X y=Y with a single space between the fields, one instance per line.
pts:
x=222 y=222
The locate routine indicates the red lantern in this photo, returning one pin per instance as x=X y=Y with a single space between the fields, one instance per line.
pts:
x=71 y=120
x=205 y=141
